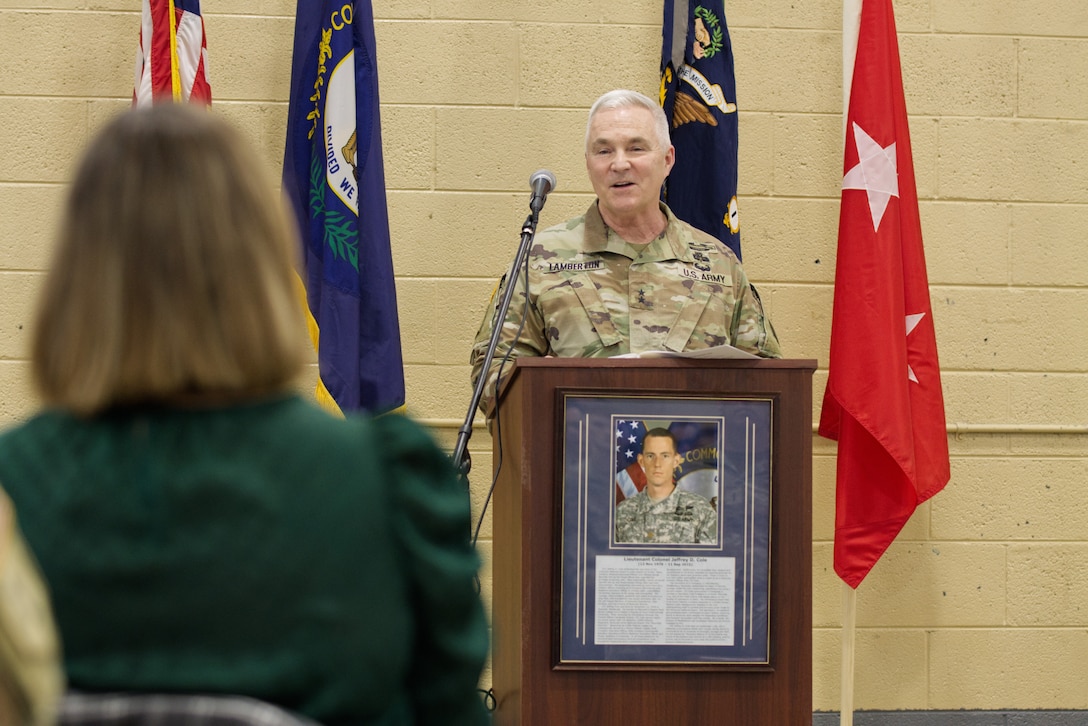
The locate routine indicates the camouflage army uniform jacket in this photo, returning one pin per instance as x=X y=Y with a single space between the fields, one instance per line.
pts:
x=593 y=295
x=680 y=518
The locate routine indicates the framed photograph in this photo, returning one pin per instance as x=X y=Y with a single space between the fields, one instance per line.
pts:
x=665 y=527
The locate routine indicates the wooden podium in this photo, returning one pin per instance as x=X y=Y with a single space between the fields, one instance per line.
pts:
x=532 y=687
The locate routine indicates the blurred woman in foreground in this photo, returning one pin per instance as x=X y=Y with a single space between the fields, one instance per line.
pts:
x=202 y=528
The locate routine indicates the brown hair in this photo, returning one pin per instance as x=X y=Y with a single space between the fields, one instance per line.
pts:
x=661 y=433
x=172 y=278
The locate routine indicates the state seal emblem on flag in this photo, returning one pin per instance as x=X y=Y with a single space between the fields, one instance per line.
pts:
x=708 y=40
x=334 y=173
x=340 y=138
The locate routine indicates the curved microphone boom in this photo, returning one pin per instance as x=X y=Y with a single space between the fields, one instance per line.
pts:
x=542 y=182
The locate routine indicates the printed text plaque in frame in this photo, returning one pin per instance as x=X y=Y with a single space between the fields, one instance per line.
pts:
x=673 y=591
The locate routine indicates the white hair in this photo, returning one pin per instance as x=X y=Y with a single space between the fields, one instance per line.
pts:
x=622 y=98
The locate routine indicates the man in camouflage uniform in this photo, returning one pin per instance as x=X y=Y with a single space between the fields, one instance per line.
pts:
x=627 y=276
x=661 y=513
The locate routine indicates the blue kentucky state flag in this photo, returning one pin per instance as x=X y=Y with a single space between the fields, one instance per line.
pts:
x=699 y=95
x=333 y=175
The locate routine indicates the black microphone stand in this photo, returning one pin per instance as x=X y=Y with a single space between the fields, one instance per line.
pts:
x=460 y=456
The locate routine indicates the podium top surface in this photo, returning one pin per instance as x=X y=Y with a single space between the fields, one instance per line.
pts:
x=664 y=362
x=574 y=365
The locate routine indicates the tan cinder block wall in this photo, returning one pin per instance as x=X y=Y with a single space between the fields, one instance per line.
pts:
x=982 y=603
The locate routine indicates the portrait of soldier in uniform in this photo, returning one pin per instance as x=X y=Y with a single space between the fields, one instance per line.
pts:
x=661 y=513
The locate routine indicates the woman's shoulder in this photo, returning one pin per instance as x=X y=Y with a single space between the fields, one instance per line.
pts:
x=387 y=436
x=39 y=429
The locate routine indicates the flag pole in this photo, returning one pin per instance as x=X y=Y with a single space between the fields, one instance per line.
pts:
x=846 y=688
x=851 y=25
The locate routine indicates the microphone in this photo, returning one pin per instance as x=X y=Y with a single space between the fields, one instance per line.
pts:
x=542 y=182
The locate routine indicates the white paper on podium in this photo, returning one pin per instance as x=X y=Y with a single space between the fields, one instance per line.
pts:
x=717 y=352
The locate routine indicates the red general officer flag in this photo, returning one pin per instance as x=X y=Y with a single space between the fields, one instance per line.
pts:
x=883 y=401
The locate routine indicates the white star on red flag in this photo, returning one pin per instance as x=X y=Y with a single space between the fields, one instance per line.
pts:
x=875 y=172
x=912 y=323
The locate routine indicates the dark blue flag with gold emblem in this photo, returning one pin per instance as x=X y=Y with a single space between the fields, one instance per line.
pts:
x=699 y=95
x=334 y=177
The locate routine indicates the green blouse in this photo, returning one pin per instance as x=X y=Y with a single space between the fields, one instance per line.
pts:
x=267 y=550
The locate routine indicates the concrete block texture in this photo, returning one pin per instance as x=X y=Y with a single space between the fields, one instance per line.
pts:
x=445 y=312
x=1039 y=500
x=1013 y=160
x=890 y=669
x=755 y=156
x=1020 y=398
x=994 y=17
x=611 y=56
x=921 y=584
x=786 y=14
x=50 y=133
x=32 y=218
x=959 y=75
x=448 y=62
x=970 y=243
x=784 y=69
x=269 y=8
x=104 y=69
x=801 y=315
x=789 y=240
x=265 y=123
x=976 y=614
x=1008 y=668
x=18 y=290
x=1046 y=584
x=469 y=158
x=557 y=11
x=1055 y=72
x=21 y=401
x=1040 y=253
x=438 y=391
x=1002 y=328
x=408 y=148
x=242 y=41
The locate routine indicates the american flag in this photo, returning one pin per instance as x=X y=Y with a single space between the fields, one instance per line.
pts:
x=630 y=478
x=172 y=57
